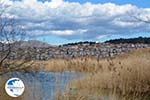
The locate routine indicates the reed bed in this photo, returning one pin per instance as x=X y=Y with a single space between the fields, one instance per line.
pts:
x=126 y=77
x=123 y=78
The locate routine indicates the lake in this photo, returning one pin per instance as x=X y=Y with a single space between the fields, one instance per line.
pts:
x=41 y=85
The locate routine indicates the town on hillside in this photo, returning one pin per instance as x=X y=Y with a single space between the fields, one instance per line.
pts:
x=71 y=51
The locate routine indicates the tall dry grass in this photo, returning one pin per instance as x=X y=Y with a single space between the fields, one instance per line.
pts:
x=126 y=77
x=88 y=65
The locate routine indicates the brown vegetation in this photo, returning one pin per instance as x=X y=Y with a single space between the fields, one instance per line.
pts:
x=123 y=78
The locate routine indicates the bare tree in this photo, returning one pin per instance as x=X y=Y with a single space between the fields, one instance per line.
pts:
x=10 y=33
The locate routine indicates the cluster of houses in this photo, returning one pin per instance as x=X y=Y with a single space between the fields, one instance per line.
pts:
x=97 y=50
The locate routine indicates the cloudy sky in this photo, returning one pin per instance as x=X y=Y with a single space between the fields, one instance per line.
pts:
x=64 y=21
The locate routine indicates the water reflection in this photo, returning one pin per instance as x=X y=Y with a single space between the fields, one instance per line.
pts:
x=42 y=85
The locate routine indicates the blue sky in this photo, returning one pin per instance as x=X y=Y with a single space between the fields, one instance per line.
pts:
x=139 y=3
x=54 y=40
x=64 y=21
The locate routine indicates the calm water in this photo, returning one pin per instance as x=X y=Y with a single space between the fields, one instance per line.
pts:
x=42 y=85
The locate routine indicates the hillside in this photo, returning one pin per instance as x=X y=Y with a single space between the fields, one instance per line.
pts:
x=32 y=43
x=143 y=40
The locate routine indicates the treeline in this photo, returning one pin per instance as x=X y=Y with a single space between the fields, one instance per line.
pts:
x=76 y=43
x=144 y=40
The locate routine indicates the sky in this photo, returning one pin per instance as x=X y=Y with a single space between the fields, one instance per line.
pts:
x=64 y=21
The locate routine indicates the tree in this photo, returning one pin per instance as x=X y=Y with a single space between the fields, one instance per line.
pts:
x=10 y=33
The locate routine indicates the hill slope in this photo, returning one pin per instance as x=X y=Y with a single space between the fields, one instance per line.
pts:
x=144 y=40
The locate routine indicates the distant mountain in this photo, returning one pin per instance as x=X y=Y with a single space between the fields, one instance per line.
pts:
x=31 y=43
x=144 y=40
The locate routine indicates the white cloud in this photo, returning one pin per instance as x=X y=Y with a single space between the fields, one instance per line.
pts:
x=101 y=37
x=68 y=32
x=56 y=3
x=72 y=19
x=65 y=32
